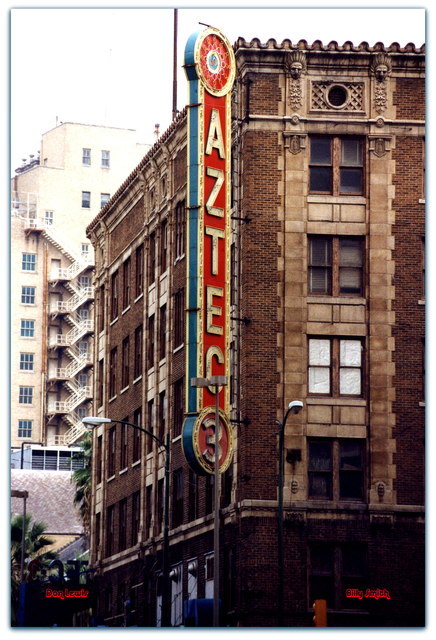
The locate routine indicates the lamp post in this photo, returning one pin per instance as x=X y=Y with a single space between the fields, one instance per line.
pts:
x=217 y=382
x=96 y=421
x=295 y=407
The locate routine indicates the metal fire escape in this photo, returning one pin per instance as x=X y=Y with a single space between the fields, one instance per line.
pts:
x=75 y=281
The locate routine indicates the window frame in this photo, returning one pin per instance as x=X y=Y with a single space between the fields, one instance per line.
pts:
x=23 y=426
x=86 y=157
x=105 y=159
x=30 y=329
x=113 y=373
x=335 y=367
x=125 y=364
x=333 y=264
x=28 y=262
x=139 y=275
x=336 y=166
x=126 y=283
x=114 y=295
x=336 y=580
x=86 y=199
x=28 y=295
x=335 y=472
x=27 y=361
x=25 y=395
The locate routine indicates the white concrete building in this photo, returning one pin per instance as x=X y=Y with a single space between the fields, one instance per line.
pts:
x=53 y=198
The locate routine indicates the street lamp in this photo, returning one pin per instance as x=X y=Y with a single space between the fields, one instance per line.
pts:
x=295 y=406
x=95 y=422
x=217 y=382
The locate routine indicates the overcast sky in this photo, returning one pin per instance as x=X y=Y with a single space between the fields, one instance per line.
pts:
x=114 y=67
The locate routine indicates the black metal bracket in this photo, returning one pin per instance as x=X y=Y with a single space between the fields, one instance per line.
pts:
x=246 y=422
x=245 y=320
x=244 y=219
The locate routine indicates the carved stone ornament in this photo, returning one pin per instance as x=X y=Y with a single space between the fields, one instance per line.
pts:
x=296 y=66
x=295 y=142
x=381 y=68
x=379 y=146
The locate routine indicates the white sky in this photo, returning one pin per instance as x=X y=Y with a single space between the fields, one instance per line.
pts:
x=114 y=67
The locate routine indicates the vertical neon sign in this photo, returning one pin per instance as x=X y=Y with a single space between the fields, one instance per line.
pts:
x=210 y=70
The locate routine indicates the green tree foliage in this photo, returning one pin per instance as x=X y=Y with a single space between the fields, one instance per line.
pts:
x=82 y=479
x=36 y=545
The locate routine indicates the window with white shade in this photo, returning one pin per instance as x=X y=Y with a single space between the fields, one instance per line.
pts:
x=335 y=366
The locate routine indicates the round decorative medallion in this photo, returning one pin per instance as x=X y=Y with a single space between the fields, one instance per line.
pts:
x=216 y=62
x=206 y=444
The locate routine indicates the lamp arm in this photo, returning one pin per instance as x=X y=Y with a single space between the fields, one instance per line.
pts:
x=135 y=426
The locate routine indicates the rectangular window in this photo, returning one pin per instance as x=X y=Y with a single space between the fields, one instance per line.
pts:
x=105 y=159
x=164 y=246
x=126 y=283
x=148 y=510
x=48 y=218
x=193 y=496
x=25 y=428
x=150 y=353
x=110 y=531
x=84 y=250
x=162 y=331
x=138 y=353
x=336 y=166
x=114 y=296
x=123 y=525
x=336 y=469
x=139 y=280
x=100 y=396
x=335 y=367
x=27 y=329
x=335 y=266
x=178 y=407
x=25 y=395
x=28 y=295
x=99 y=458
x=123 y=448
x=177 y=498
x=86 y=157
x=209 y=496
x=136 y=513
x=333 y=570
x=86 y=199
x=104 y=199
x=137 y=419
x=160 y=504
x=179 y=317
x=101 y=308
x=149 y=440
x=26 y=361
x=162 y=414
x=29 y=262
x=180 y=230
x=113 y=373
x=112 y=443
x=152 y=258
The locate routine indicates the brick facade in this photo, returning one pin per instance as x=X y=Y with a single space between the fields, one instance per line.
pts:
x=327 y=308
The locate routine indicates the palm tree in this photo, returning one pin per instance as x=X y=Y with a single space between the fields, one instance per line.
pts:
x=82 y=479
x=35 y=541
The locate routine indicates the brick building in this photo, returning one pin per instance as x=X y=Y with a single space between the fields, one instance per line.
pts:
x=327 y=307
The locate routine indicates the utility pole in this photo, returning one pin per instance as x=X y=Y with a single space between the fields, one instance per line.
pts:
x=175 y=66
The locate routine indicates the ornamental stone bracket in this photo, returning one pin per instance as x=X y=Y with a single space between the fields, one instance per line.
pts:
x=294 y=142
x=379 y=145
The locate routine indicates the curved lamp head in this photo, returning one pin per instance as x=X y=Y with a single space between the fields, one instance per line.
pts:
x=295 y=406
x=92 y=422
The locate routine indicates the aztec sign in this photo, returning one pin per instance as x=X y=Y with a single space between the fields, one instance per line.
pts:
x=210 y=70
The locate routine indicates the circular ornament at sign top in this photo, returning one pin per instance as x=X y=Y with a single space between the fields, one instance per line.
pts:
x=202 y=430
x=215 y=62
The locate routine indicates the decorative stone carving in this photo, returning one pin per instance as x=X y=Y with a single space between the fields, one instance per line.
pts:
x=296 y=66
x=294 y=142
x=381 y=68
x=353 y=92
x=294 y=486
x=379 y=145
